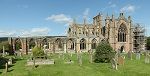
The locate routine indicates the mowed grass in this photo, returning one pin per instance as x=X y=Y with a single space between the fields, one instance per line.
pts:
x=131 y=68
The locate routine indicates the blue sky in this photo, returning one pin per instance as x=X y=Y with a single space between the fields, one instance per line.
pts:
x=51 y=17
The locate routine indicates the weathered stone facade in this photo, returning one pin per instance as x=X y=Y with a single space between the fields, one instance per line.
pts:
x=83 y=37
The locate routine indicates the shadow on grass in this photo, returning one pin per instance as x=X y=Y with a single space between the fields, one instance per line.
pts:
x=3 y=66
x=15 y=60
x=10 y=70
x=36 y=66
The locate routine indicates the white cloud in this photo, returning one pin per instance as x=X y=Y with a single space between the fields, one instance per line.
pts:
x=7 y=34
x=128 y=8
x=36 y=32
x=86 y=13
x=61 y=18
x=26 y=33
x=113 y=5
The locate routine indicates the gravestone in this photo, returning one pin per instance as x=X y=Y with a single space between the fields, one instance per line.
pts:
x=3 y=51
x=130 y=55
x=138 y=55
x=40 y=62
x=90 y=55
x=147 y=57
x=20 y=54
x=70 y=54
x=6 y=67
x=114 y=63
x=69 y=62
x=10 y=61
x=79 y=56
x=120 y=60
x=61 y=55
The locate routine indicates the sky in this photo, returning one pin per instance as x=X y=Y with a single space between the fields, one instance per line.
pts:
x=23 y=18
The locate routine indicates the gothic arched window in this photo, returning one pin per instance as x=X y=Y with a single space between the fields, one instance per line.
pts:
x=59 y=44
x=45 y=43
x=70 y=44
x=93 y=45
x=122 y=32
x=82 y=44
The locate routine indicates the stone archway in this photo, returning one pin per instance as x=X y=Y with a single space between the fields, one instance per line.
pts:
x=58 y=45
x=45 y=43
x=122 y=49
x=18 y=45
x=31 y=44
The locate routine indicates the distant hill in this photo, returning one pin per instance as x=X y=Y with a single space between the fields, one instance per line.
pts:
x=3 y=39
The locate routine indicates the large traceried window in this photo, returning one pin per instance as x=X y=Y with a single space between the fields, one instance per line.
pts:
x=122 y=32
x=82 y=44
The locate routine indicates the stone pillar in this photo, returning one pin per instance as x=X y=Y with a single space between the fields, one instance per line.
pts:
x=28 y=47
x=3 y=51
x=78 y=47
x=36 y=43
x=14 y=46
x=53 y=47
x=65 y=48
x=24 y=46
x=89 y=46
x=49 y=45
x=74 y=46
x=49 y=48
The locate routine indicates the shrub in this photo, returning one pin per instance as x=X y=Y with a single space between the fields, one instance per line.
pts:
x=37 y=51
x=6 y=44
x=104 y=52
x=3 y=61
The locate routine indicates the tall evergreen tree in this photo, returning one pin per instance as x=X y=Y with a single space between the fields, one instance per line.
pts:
x=104 y=52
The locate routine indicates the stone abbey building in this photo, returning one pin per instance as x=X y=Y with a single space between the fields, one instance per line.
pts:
x=118 y=31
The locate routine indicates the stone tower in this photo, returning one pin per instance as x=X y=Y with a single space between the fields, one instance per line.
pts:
x=97 y=20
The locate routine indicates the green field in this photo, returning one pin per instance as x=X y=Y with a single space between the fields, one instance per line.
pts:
x=131 y=68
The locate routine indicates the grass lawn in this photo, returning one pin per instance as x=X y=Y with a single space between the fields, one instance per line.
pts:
x=131 y=68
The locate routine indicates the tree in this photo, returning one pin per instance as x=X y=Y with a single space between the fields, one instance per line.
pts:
x=6 y=44
x=3 y=60
x=104 y=52
x=37 y=51
x=148 y=43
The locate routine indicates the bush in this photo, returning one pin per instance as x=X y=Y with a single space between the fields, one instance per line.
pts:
x=104 y=52
x=6 y=44
x=3 y=61
x=37 y=51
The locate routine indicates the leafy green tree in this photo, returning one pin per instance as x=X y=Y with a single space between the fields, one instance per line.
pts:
x=18 y=46
x=37 y=51
x=148 y=43
x=104 y=52
x=3 y=61
x=6 y=44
